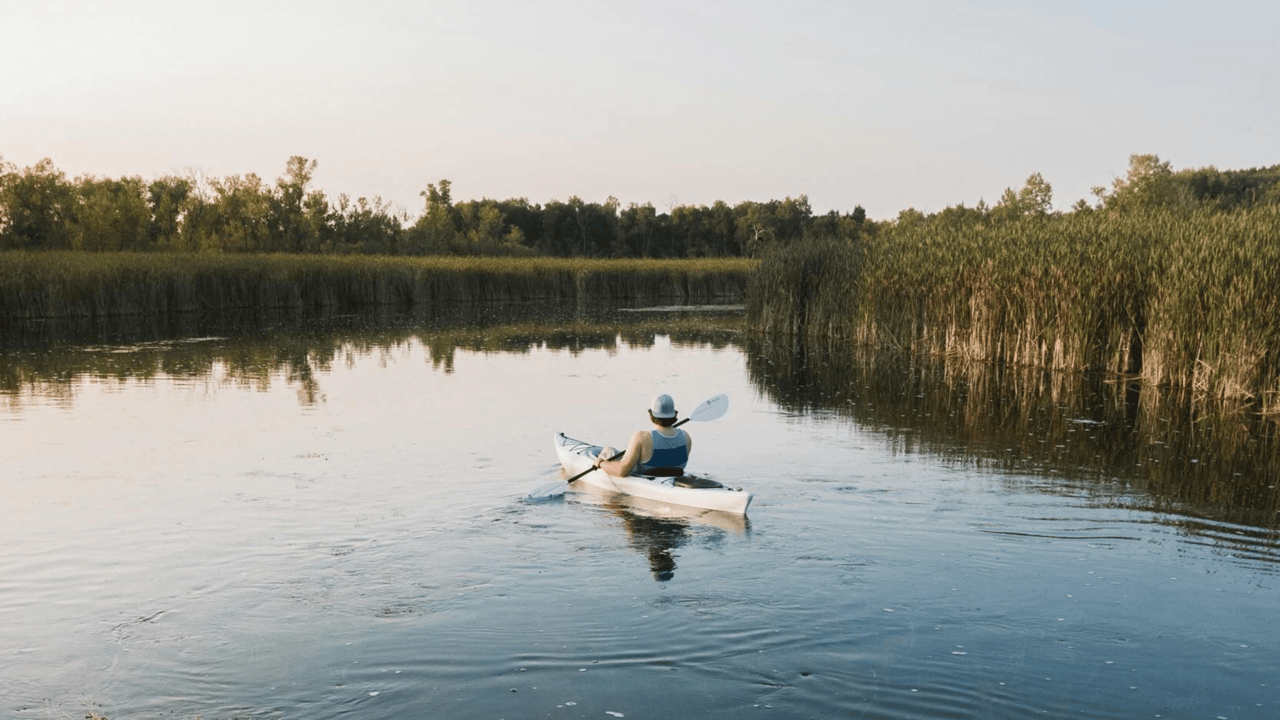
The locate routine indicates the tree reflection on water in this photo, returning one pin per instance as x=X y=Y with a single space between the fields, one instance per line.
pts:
x=253 y=349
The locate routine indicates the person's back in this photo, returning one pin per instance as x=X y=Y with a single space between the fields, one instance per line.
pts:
x=669 y=451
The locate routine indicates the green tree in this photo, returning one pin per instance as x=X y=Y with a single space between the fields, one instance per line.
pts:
x=111 y=215
x=559 y=229
x=759 y=226
x=910 y=217
x=521 y=215
x=637 y=231
x=487 y=231
x=1035 y=199
x=1149 y=183
x=721 y=230
x=793 y=216
x=240 y=215
x=317 y=218
x=688 y=230
x=578 y=228
x=1230 y=189
x=366 y=226
x=701 y=231
x=292 y=229
x=580 y=219
x=169 y=200
x=1036 y=196
x=36 y=207
x=756 y=228
x=436 y=231
x=842 y=226
x=199 y=217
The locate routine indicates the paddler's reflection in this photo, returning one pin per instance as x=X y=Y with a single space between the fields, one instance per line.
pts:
x=656 y=529
x=656 y=538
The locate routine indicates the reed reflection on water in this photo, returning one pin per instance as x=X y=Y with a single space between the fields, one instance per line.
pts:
x=1075 y=433
x=1140 y=448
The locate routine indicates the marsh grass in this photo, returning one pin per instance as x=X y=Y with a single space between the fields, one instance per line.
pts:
x=1186 y=300
x=36 y=285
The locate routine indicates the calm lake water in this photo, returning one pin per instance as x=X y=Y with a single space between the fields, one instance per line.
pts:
x=326 y=518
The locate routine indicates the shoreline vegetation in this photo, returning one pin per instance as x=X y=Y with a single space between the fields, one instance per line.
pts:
x=1181 y=300
x=1170 y=277
x=67 y=284
x=1171 y=280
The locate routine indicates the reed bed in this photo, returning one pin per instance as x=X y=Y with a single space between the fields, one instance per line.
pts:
x=1177 y=299
x=36 y=285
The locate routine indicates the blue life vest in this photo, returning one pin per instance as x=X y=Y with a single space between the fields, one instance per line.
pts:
x=668 y=452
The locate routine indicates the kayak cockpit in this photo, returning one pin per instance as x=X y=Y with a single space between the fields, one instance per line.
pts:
x=693 y=481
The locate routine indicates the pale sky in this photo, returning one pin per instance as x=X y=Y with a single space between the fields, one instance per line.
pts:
x=886 y=104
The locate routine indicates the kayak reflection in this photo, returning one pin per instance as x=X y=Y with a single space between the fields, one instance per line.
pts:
x=656 y=530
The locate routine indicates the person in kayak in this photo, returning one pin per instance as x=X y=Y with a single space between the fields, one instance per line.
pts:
x=664 y=450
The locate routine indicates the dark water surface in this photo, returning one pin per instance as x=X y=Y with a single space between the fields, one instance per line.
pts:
x=262 y=518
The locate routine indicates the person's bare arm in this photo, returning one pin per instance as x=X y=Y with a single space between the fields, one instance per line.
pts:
x=623 y=466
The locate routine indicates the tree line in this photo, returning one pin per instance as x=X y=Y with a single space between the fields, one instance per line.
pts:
x=40 y=208
x=1150 y=184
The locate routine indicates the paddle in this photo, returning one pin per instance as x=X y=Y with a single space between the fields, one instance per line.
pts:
x=710 y=410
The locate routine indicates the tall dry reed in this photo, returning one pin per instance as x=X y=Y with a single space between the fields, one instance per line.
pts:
x=1180 y=299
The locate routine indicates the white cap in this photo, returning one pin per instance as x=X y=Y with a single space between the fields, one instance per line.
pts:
x=663 y=407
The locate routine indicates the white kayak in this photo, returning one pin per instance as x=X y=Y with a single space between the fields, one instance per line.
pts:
x=690 y=491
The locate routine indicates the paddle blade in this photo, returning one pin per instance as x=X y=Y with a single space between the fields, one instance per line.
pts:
x=550 y=491
x=711 y=409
